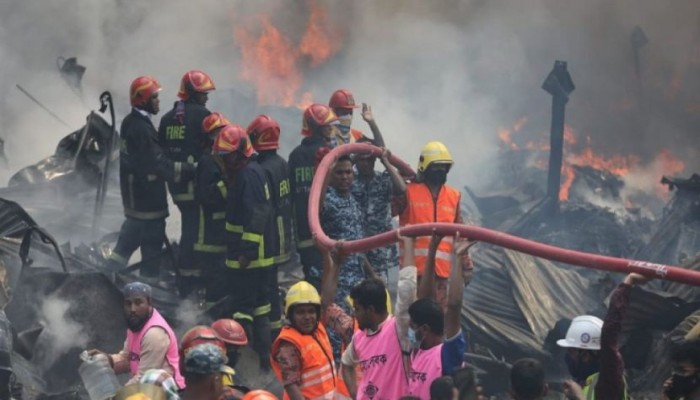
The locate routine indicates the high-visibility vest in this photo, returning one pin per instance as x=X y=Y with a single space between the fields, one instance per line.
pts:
x=589 y=387
x=318 y=374
x=421 y=208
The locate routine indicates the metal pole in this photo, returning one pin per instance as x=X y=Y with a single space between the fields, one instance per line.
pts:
x=559 y=84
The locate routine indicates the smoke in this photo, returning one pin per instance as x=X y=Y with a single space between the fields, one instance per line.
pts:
x=453 y=70
x=64 y=332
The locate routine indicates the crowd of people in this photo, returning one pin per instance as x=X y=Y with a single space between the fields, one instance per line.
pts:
x=336 y=333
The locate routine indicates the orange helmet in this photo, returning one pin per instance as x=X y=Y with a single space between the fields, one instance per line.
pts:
x=259 y=395
x=141 y=90
x=232 y=138
x=342 y=98
x=316 y=116
x=200 y=334
x=264 y=132
x=230 y=331
x=195 y=81
x=213 y=121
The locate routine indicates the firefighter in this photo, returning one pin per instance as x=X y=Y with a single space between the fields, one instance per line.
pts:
x=429 y=199
x=302 y=354
x=318 y=127
x=250 y=237
x=143 y=170
x=210 y=195
x=180 y=134
x=264 y=133
x=343 y=103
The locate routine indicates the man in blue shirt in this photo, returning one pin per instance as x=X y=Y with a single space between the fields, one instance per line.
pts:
x=373 y=191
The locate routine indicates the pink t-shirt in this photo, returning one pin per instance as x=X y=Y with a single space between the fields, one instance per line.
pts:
x=380 y=356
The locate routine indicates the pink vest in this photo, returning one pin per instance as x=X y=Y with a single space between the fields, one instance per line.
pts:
x=133 y=344
x=380 y=356
x=426 y=366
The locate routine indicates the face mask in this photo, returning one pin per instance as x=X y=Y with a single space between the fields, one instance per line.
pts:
x=415 y=343
x=345 y=120
x=580 y=370
x=684 y=385
x=435 y=176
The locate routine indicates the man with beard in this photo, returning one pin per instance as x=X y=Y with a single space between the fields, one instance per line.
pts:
x=150 y=342
x=429 y=199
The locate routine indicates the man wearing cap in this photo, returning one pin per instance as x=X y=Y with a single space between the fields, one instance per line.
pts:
x=150 y=342
x=203 y=367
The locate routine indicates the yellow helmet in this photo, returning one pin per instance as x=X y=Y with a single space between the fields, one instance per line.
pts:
x=301 y=292
x=433 y=152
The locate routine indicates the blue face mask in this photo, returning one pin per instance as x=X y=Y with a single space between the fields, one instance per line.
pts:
x=415 y=343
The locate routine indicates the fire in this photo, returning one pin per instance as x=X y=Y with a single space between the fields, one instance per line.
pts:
x=506 y=135
x=274 y=64
x=618 y=164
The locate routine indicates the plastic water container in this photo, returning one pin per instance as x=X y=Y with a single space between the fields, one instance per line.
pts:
x=98 y=377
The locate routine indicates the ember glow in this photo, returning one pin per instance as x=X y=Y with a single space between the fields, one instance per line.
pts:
x=620 y=165
x=275 y=64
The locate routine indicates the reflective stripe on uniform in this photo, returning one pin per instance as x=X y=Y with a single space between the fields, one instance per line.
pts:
x=305 y=243
x=201 y=245
x=188 y=195
x=234 y=228
x=262 y=310
x=239 y=315
x=218 y=215
x=178 y=171
x=282 y=258
x=266 y=262
x=222 y=189
x=276 y=324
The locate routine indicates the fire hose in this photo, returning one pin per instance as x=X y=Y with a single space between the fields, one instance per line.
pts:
x=549 y=252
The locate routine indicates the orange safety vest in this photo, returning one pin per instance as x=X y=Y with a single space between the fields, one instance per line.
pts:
x=421 y=208
x=355 y=135
x=318 y=374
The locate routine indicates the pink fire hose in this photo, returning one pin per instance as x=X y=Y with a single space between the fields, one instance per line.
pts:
x=553 y=253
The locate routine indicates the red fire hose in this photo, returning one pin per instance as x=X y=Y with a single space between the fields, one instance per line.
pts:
x=579 y=258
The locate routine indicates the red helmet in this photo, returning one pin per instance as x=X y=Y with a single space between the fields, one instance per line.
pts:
x=200 y=334
x=232 y=138
x=342 y=98
x=195 y=81
x=259 y=395
x=230 y=331
x=142 y=88
x=316 y=116
x=264 y=132
x=213 y=121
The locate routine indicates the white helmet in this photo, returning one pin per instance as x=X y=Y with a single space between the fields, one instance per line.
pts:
x=584 y=333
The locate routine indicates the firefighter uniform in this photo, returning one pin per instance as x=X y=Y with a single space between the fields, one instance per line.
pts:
x=302 y=161
x=210 y=244
x=277 y=172
x=180 y=134
x=250 y=233
x=143 y=170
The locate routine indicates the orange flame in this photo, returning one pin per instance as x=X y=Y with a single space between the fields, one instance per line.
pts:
x=506 y=135
x=619 y=165
x=274 y=64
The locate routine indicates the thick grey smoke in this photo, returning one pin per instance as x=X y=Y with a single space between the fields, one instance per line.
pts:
x=64 y=333
x=452 y=70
